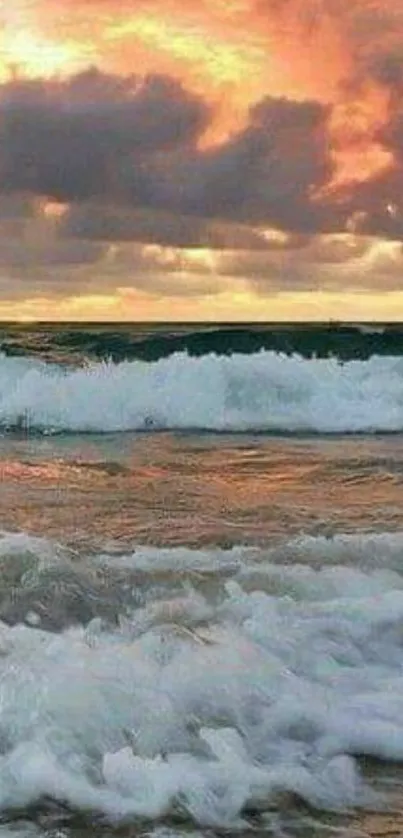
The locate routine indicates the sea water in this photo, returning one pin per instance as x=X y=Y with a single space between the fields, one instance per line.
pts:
x=201 y=587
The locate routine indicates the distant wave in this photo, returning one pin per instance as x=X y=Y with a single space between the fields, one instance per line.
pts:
x=264 y=392
x=368 y=329
x=120 y=342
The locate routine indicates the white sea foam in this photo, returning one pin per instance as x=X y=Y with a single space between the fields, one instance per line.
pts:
x=369 y=329
x=264 y=391
x=212 y=703
x=367 y=551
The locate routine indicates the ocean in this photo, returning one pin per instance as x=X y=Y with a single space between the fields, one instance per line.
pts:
x=201 y=588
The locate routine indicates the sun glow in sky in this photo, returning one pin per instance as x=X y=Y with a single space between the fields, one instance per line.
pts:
x=209 y=191
x=28 y=54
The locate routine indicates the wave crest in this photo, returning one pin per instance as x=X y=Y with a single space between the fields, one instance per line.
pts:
x=262 y=392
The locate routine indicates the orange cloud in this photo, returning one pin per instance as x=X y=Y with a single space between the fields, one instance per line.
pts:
x=233 y=52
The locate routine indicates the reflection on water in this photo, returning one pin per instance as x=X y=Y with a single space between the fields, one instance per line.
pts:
x=169 y=489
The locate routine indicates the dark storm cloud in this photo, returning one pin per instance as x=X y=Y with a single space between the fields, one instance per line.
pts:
x=98 y=135
x=116 y=224
x=46 y=266
x=20 y=257
x=17 y=208
x=38 y=259
x=98 y=140
x=265 y=174
x=100 y=222
x=75 y=139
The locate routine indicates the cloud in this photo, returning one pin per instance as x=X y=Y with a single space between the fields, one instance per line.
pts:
x=112 y=223
x=74 y=139
x=42 y=255
x=127 y=157
x=136 y=141
x=267 y=173
x=36 y=259
x=324 y=263
x=366 y=31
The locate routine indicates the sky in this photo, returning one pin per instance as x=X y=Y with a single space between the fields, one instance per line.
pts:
x=209 y=160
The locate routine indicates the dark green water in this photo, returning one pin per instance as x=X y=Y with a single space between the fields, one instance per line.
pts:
x=151 y=341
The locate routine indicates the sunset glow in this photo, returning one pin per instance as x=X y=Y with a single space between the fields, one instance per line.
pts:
x=191 y=131
x=28 y=54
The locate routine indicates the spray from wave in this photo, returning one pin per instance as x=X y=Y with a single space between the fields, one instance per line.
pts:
x=261 y=392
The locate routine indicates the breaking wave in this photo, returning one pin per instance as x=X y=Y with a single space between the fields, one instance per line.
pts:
x=209 y=702
x=264 y=392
